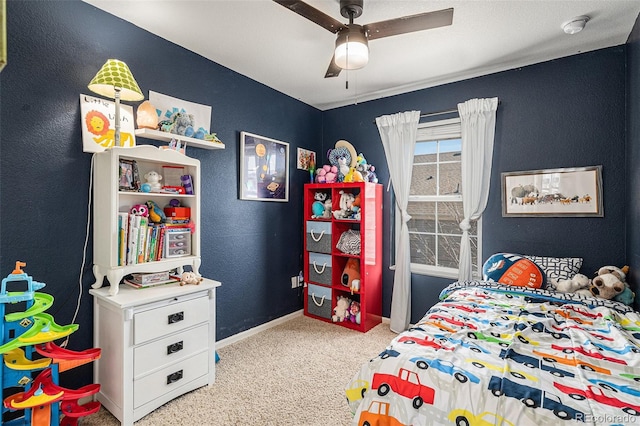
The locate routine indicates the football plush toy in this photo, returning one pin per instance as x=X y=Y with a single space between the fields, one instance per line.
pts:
x=513 y=269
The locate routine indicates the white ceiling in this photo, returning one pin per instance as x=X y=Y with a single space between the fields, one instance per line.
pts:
x=274 y=46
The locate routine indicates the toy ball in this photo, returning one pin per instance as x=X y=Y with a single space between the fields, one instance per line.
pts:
x=145 y=187
x=174 y=202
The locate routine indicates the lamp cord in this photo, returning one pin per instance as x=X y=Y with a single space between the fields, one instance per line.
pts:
x=84 y=251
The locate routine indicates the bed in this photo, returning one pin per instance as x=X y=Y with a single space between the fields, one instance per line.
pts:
x=495 y=354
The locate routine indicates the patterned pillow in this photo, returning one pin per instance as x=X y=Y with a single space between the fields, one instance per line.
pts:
x=513 y=269
x=558 y=268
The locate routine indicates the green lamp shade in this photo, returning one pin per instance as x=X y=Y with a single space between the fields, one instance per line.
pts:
x=116 y=74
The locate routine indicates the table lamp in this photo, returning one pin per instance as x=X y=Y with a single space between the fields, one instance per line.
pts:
x=115 y=81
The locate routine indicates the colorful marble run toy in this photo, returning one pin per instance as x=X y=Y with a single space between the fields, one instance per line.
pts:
x=32 y=361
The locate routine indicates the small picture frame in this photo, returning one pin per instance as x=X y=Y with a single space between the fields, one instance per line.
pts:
x=128 y=178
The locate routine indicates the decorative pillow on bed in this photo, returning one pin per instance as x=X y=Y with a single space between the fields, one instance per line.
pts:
x=513 y=269
x=558 y=268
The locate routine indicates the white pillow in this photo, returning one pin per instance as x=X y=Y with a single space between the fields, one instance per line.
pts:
x=558 y=268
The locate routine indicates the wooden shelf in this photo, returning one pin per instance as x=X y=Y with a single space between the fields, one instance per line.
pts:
x=159 y=135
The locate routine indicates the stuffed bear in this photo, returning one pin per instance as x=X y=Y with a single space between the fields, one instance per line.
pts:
x=340 y=311
x=183 y=124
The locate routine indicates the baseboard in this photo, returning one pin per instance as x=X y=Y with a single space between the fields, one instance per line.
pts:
x=258 y=329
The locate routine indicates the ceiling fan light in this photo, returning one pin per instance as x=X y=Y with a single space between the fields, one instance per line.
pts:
x=575 y=25
x=352 y=48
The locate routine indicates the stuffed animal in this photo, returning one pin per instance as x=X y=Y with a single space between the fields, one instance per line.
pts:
x=190 y=278
x=327 y=174
x=368 y=171
x=351 y=275
x=355 y=207
x=608 y=283
x=345 y=203
x=156 y=214
x=317 y=208
x=341 y=308
x=183 y=124
x=353 y=176
x=139 y=210
x=343 y=168
x=353 y=314
x=153 y=179
x=578 y=282
x=627 y=296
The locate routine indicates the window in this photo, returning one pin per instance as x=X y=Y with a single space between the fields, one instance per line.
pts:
x=435 y=201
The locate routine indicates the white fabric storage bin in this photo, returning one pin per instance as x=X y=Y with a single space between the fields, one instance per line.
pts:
x=320 y=268
x=319 y=236
x=319 y=301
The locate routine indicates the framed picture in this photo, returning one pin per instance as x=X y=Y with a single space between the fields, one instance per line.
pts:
x=128 y=179
x=264 y=168
x=305 y=158
x=3 y=34
x=573 y=192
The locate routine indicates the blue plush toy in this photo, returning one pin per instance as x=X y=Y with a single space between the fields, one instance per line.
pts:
x=627 y=296
x=317 y=208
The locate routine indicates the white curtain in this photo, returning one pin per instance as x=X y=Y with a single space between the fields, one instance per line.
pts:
x=398 y=134
x=478 y=125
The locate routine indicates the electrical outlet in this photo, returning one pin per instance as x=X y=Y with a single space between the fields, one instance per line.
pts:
x=294 y=282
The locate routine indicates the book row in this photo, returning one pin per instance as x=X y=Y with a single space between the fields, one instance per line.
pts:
x=140 y=240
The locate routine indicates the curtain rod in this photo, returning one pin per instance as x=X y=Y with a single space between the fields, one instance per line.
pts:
x=447 y=111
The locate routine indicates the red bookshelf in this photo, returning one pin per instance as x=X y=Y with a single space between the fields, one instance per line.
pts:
x=324 y=263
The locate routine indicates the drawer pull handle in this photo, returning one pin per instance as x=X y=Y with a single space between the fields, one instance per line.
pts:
x=314 y=236
x=175 y=347
x=315 y=267
x=174 y=377
x=174 y=318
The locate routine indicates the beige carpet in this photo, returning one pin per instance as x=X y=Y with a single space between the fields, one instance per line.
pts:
x=292 y=374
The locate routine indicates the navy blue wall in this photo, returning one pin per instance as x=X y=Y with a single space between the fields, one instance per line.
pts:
x=633 y=158
x=54 y=49
x=564 y=113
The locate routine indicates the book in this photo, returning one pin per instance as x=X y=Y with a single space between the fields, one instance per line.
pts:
x=149 y=278
x=172 y=280
x=123 y=225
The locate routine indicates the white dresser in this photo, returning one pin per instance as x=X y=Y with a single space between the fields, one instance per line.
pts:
x=157 y=344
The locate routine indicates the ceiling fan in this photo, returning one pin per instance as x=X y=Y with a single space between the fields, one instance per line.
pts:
x=352 y=47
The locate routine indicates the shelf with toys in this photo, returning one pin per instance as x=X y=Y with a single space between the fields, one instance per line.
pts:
x=135 y=221
x=343 y=253
x=167 y=137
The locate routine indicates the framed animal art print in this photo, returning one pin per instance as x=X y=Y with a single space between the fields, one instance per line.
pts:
x=566 y=192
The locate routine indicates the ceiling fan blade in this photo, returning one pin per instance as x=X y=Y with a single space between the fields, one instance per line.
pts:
x=408 y=24
x=333 y=70
x=312 y=14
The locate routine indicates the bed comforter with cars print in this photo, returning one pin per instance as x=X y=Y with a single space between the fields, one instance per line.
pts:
x=490 y=354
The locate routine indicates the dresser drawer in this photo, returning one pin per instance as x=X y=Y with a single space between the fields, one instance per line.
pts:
x=170 y=377
x=169 y=349
x=153 y=323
